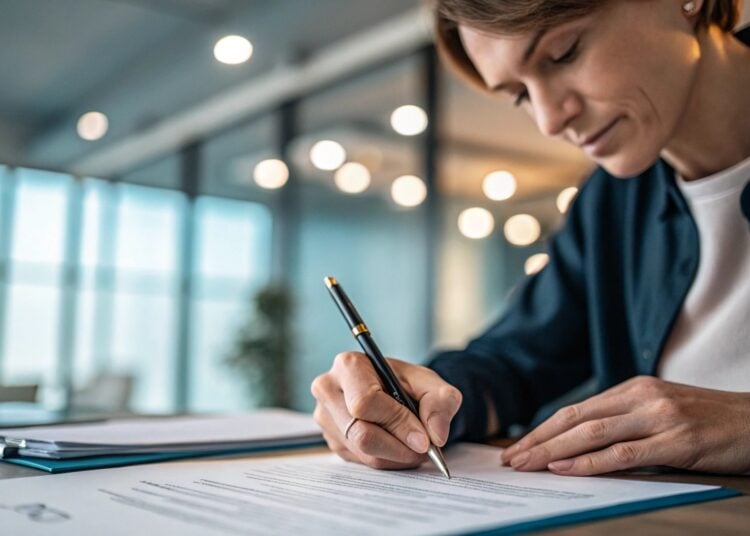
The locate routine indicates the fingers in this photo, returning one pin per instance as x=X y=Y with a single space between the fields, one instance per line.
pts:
x=438 y=400
x=349 y=450
x=585 y=437
x=633 y=411
x=617 y=457
x=366 y=400
x=386 y=432
x=371 y=443
x=606 y=404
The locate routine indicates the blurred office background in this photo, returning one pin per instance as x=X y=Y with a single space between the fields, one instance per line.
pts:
x=154 y=179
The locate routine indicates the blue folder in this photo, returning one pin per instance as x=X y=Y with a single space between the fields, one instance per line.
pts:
x=606 y=512
x=101 y=462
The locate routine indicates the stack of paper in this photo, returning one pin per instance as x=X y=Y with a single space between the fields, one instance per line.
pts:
x=156 y=439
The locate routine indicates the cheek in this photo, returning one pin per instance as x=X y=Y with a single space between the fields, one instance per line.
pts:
x=627 y=90
x=653 y=94
x=646 y=74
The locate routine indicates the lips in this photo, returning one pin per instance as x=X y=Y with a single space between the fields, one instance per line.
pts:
x=595 y=143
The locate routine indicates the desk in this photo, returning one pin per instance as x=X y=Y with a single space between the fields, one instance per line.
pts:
x=727 y=516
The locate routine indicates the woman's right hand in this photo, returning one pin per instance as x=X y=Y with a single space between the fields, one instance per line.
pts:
x=386 y=434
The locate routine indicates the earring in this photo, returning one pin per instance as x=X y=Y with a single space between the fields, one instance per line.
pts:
x=688 y=7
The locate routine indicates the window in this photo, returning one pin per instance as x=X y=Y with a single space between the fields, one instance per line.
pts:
x=96 y=290
x=145 y=291
x=36 y=255
x=232 y=261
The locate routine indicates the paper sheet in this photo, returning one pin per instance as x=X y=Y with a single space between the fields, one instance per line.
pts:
x=258 y=425
x=305 y=494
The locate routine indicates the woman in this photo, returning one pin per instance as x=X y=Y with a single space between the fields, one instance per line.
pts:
x=637 y=329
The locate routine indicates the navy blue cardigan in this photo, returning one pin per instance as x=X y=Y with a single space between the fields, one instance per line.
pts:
x=597 y=314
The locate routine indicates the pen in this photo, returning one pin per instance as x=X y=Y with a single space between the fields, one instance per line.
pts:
x=385 y=373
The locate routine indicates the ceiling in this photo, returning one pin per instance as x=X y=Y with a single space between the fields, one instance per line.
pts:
x=141 y=61
x=145 y=61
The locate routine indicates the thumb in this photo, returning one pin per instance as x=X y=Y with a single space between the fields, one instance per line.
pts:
x=437 y=409
x=438 y=400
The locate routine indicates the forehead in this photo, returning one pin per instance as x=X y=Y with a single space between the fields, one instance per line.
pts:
x=493 y=54
x=480 y=42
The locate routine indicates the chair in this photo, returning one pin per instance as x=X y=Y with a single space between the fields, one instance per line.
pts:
x=107 y=392
x=18 y=393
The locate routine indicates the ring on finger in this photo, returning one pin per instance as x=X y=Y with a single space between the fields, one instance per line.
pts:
x=349 y=427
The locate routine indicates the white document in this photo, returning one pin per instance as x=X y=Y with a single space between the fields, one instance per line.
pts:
x=269 y=426
x=305 y=494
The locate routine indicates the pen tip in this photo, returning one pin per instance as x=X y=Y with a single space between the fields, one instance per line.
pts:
x=329 y=281
x=437 y=458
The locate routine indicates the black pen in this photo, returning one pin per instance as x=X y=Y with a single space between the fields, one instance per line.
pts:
x=385 y=373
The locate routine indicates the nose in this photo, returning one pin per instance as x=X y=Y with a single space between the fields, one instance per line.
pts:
x=554 y=108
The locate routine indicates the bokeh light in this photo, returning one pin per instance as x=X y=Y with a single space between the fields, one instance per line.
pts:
x=271 y=174
x=476 y=223
x=408 y=191
x=522 y=230
x=233 y=50
x=92 y=126
x=327 y=155
x=352 y=178
x=409 y=120
x=535 y=263
x=499 y=185
x=565 y=198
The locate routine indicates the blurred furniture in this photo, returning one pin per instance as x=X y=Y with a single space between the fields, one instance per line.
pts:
x=106 y=393
x=18 y=414
x=18 y=393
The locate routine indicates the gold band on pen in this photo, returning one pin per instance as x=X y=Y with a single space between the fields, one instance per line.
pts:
x=359 y=329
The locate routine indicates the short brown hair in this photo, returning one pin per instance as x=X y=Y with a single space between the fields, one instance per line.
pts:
x=519 y=16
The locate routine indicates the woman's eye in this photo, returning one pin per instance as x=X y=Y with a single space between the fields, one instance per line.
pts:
x=569 y=54
x=520 y=98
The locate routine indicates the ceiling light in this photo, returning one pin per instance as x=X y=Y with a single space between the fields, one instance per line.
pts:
x=271 y=174
x=565 y=198
x=535 y=263
x=352 y=178
x=522 y=230
x=409 y=120
x=327 y=155
x=499 y=185
x=92 y=126
x=233 y=50
x=408 y=191
x=476 y=223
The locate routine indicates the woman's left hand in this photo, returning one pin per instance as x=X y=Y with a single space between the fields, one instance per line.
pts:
x=642 y=422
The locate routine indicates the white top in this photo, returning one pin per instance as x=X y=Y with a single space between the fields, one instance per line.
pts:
x=709 y=345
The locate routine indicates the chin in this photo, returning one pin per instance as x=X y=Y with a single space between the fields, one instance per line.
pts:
x=626 y=164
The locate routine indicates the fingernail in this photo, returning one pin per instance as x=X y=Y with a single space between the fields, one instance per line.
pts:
x=510 y=451
x=561 y=465
x=439 y=428
x=519 y=461
x=417 y=441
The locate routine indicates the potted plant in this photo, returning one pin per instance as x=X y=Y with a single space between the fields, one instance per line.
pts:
x=263 y=348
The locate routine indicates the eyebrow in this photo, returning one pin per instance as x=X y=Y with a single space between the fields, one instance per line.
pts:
x=532 y=46
x=526 y=54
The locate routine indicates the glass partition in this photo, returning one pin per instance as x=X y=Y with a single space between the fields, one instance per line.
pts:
x=37 y=249
x=233 y=256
